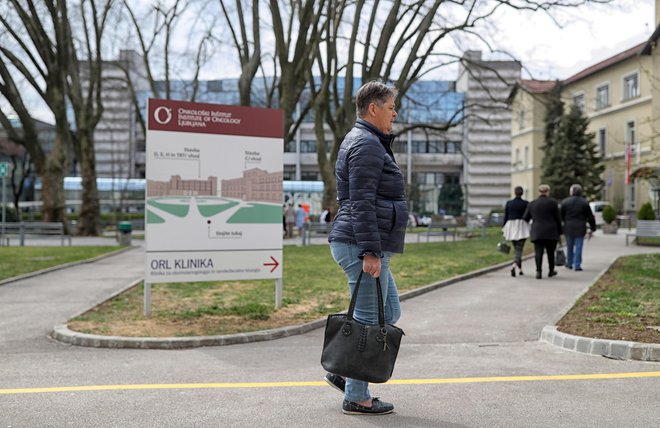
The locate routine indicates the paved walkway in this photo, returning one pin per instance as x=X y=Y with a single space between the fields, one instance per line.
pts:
x=523 y=303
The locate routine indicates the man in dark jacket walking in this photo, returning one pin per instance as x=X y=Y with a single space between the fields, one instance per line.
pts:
x=371 y=223
x=575 y=213
x=546 y=229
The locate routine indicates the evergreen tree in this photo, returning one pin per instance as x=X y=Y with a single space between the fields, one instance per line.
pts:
x=450 y=199
x=571 y=156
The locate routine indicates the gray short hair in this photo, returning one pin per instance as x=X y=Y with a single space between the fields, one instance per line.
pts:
x=576 y=190
x=544 y=188
x=372 y=92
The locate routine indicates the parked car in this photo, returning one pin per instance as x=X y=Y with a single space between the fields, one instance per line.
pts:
x=418 y=220
x=597 y=210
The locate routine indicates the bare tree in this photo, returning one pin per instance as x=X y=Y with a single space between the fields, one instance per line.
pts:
x=46 y=59
x=84 y=80
x=156 y=48
x=397 y=42
x=296 y=45
x=31 y=36
x=248 y=48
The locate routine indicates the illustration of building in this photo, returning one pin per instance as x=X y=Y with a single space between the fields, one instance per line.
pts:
x=255 y=185
x=179 y=187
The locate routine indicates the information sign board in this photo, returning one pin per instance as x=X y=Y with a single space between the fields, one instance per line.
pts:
x=213 y=193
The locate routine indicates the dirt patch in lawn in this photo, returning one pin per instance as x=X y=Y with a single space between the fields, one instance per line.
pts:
x=600 y=313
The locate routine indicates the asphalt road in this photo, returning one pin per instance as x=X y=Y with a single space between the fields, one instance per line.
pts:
x=470 y=358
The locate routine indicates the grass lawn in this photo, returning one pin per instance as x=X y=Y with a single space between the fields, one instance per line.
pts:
x=314 y=286
x=15 y=261
x=623 y=305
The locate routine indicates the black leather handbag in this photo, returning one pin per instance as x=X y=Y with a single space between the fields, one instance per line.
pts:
x=360 y=351
x=560 y=257
x=503 y=247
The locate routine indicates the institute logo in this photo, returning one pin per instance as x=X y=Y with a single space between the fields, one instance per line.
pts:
x=163 y=115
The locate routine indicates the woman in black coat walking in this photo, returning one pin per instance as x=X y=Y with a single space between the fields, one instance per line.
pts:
x=546 y=229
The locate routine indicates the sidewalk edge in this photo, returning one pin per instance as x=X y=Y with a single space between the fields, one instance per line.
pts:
x=64 y=266
x=615 y=349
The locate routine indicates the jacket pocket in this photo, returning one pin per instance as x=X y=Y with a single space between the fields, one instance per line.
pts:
x=399 y=215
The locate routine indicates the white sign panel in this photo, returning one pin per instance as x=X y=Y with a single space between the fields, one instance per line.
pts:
x=214 y=192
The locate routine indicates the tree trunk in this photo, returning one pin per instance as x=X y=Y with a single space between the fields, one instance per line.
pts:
x=52 y=193
x=89 y=210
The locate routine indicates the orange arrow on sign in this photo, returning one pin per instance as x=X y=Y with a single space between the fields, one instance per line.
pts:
x=274 y=264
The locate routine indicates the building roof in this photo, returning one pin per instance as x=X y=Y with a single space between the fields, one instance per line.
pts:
x=537 y=86
x=648 y=46
x=620 y=57
x=531 y=86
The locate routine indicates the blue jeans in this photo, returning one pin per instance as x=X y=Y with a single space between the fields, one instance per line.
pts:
x=574 y=251
x=366 y=309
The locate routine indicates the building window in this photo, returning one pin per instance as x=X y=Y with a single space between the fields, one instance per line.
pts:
x=602 y=97
x=309 y=176
x=289 y=172
x=521 y=118
x=526 y=164
x=602 y=141
x=578 y=100
x=308 y=146
x=631 y=86
x=517 y=163
x=630 y=133
x=290 y=146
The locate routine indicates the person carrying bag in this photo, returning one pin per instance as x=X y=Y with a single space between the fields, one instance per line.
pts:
x=369 y=228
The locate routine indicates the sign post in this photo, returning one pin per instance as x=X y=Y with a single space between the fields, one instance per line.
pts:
x=214 y=193
x=5 y=168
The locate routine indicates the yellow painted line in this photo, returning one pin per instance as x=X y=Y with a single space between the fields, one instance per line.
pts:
x=595 y=376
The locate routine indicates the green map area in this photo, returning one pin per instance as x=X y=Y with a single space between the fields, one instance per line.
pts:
x=208 y=207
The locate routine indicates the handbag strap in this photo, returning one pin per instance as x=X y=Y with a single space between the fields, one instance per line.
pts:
x=379 y=290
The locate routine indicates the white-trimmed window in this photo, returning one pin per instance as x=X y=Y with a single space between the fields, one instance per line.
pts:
x=578 y=100
x=631 y=86
x=630 y=132
x=602 y=96
x=517 y=158
x=526 y=164
x=521 y=118
x=602 y=141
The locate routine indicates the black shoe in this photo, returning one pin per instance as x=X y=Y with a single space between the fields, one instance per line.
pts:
x=552 y=273
x=538 y=275
x=571 y=267
x=577 y=269
x=335 y=381
x=520 y=273
x=513 y=272
x=377 y=408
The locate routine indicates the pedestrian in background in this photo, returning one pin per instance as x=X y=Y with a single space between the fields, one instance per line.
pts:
x=290 y=219
x=516 y=229
x=576 y=213
x=546 y=229
x=370 y=225
x=300 y=219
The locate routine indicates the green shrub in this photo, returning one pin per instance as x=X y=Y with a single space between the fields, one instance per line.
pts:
x=609 y=214
x=10 y=214
x=646 y=212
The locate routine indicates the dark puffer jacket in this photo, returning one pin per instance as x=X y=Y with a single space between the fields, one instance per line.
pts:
x=373 y=212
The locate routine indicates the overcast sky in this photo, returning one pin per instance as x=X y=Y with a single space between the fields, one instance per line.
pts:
x=589 y=35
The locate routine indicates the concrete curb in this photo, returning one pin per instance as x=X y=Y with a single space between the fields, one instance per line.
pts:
x=64 y=266
x=615 y=349
x=62 y=333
